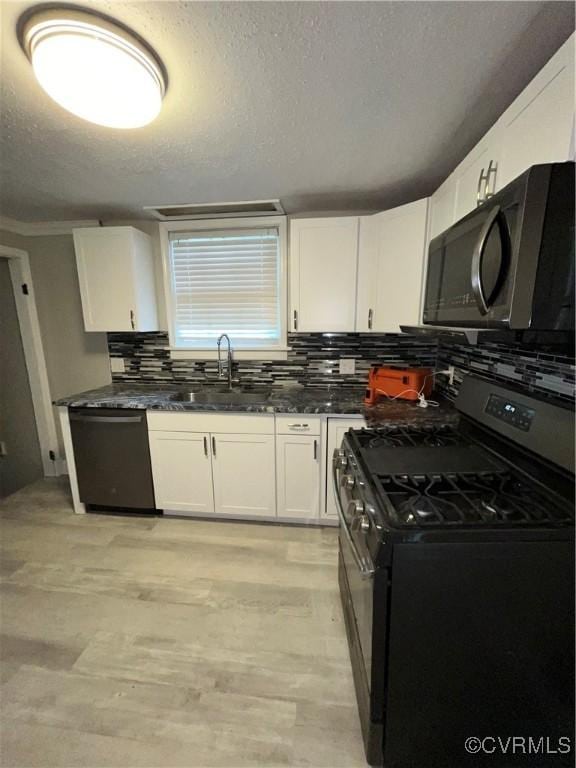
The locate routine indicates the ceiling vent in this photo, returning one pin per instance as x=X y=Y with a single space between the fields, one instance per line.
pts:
x=216 y=210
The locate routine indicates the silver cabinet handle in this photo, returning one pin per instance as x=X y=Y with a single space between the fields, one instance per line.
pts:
x=370 y=318
x=315 y=450
x=213 y=445
x=492 y=170
x=132 y=318
x=205 y=446
x=481 y=196
x=298 y=426
x=366 y=567
x=295 y=320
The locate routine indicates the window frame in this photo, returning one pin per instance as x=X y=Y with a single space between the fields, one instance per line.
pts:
x=276 y=352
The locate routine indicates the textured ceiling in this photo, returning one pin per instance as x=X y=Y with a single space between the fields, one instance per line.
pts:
x=326 y=105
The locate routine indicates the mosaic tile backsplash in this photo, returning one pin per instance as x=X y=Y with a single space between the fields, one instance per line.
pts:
x=540 y=371
x=312 y=360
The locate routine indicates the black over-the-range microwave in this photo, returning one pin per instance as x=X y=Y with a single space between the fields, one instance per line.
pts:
x=510 y=262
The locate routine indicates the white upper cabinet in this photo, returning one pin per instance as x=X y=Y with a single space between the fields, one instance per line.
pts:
x=538 y=127
x=392 y=256
x=441 y=207
x=116 y=275
x=323 y=267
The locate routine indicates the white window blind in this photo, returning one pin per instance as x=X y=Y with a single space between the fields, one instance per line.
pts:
x=226 y=281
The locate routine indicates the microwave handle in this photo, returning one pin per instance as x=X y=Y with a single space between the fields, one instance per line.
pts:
x=477 y=258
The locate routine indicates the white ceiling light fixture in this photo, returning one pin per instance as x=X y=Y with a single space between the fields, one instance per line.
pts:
x=93 y=67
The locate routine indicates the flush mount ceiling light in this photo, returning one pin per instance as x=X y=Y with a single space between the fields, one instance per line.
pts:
x=94 y=67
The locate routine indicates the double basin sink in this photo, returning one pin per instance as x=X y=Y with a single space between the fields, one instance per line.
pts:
x=221 y=395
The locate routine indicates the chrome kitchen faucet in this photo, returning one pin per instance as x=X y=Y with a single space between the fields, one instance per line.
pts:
x=229 y=359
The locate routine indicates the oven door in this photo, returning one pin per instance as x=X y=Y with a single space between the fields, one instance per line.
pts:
x=360 y=598
x=356 y=561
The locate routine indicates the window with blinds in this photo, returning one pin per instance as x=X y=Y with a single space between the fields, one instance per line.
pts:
x=226 y=281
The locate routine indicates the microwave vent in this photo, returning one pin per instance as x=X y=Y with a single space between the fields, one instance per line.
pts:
x=216 y=210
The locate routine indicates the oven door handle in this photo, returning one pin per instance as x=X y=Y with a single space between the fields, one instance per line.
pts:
x=478 y=258
x=366 y=568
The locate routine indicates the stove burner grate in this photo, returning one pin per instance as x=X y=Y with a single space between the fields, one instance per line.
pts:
x=403 y=437
x=497 y=498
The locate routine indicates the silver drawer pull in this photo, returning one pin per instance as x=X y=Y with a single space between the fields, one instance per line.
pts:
x=299 y=426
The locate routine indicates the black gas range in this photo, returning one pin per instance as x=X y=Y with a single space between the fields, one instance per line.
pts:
x=456 y=564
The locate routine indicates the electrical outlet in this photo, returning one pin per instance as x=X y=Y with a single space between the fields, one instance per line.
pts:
x=3 y=449
x=117 y=365
x=347 y=366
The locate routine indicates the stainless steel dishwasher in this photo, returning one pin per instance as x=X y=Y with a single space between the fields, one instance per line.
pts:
x=112 y=457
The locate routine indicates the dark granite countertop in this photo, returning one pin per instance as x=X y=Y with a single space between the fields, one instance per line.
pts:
x=310 y=400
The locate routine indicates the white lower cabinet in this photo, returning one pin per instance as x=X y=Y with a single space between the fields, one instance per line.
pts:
x=246 y=466
x=182 y=471
x=337 y=428
x=298 y=470
x=213 y=464
x=243 y=471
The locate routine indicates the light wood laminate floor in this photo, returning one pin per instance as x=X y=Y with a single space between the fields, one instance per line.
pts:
x=150 y=642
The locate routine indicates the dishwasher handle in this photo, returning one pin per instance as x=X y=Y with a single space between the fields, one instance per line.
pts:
x=106 y=419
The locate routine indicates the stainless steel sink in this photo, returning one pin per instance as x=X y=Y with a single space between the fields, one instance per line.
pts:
x=219 y=397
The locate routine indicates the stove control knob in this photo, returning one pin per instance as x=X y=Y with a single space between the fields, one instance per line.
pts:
x=348 y=482
x=340 y=458
x=364 y=524
x=355 y=512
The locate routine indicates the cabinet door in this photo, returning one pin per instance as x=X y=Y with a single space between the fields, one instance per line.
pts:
x=323 y=266
x=394 y=265
x=337 y=428
x=538 y=127
x=442 y=208
x=104 y=261
x=182 y=471
x=244 y=475
x=298 y=476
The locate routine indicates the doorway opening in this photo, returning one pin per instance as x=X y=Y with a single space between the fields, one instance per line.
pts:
x=28 y=441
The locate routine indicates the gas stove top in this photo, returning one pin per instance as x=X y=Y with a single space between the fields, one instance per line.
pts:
x=408 y=437
x=436 y=477
x=499 y=499
x=433 y=479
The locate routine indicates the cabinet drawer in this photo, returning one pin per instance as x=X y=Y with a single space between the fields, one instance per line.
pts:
x=231 y=423
x=297 y=424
